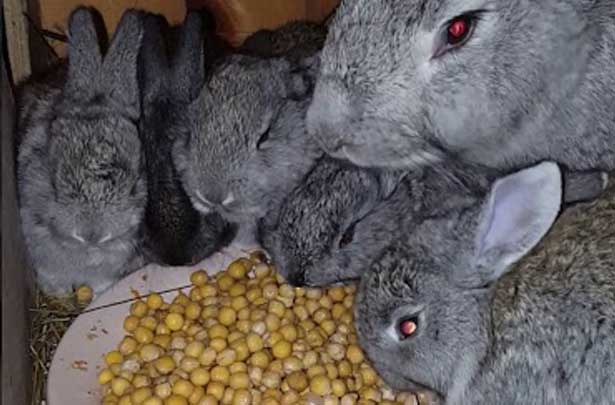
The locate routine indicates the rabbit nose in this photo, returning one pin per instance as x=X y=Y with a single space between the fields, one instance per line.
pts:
x=329 y=114
x=88 y=236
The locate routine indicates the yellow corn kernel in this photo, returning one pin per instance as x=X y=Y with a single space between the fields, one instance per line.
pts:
x=174 y=321
x=199 y=278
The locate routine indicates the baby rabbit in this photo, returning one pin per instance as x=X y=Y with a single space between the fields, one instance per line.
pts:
x=246 y=145
x=82 y=186
x=500 y=83
x=295 y=40
x=329 y=225
x=176 y=231
x=456 y=308
x=342 y=216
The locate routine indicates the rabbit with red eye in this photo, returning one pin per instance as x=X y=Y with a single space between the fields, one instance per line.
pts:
x=481 y=307
x=342 y=216
x=247 y=146
x=176 y=232
x=500 y=83
x=82 y=187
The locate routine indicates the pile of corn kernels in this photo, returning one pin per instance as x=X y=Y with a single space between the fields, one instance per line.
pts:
x=243 y=336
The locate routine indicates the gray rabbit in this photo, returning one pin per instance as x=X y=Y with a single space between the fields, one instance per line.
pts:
x=81 y=181
x=295 y=40
x=176 y=232
x=474 y=306
x=324 y=230
x=246 y=146
x=501 y=83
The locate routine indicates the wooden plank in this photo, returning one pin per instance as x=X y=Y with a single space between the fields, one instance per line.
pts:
x=16 y=277
x=17 y=38
x=237 y=19
x=318 y=10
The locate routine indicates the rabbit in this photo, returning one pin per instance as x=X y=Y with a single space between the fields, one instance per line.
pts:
x=342 y=216
x=176 y=231
x=503 y=84
x=81 y=182
x=500 y=300
x=246 y=146
x=296 y=40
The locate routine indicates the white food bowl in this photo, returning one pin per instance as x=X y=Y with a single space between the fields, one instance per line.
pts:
x=73 y=376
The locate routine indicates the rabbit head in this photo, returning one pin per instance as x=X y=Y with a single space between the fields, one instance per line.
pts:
x=333 y=222
x=421 y=306
x=97 y=181
x=246 y=138
x=400 y=82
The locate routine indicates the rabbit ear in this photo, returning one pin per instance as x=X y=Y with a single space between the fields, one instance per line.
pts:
x=189 y=61
x=84 y=57
x=153 y=61
x=517 y=213
x=119 y=71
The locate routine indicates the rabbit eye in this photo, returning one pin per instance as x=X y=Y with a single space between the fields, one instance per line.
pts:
x=459 y=30
x=408 y=326
x=347 y=237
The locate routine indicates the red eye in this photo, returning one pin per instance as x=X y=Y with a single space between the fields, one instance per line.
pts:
x=408 y=327
x=458 y=30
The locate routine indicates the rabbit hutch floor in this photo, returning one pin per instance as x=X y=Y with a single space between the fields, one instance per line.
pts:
x=68 y=343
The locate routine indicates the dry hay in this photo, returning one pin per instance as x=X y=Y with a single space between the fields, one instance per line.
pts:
x=50 y=318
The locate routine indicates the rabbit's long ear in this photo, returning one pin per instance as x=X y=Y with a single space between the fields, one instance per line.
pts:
x=518 y=212
x=118 y=78
x=84 y=57
x=189 y=59
x=153 y=60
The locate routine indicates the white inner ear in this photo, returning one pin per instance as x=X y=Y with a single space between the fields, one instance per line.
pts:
x=520 y=210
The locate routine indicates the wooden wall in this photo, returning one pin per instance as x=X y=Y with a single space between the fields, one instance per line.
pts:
x=16 y=277
x=236 y=18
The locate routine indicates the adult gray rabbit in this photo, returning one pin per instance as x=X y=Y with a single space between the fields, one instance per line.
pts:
x=82 y=187
x=246 y=146
x=505 y=84
x=474 y=306
x=176 y=231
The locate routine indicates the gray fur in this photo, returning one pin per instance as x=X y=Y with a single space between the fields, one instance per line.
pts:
x=176 y=231
x=535 y=81
x=246 y=146
x=492 y=331
x=81 y=182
